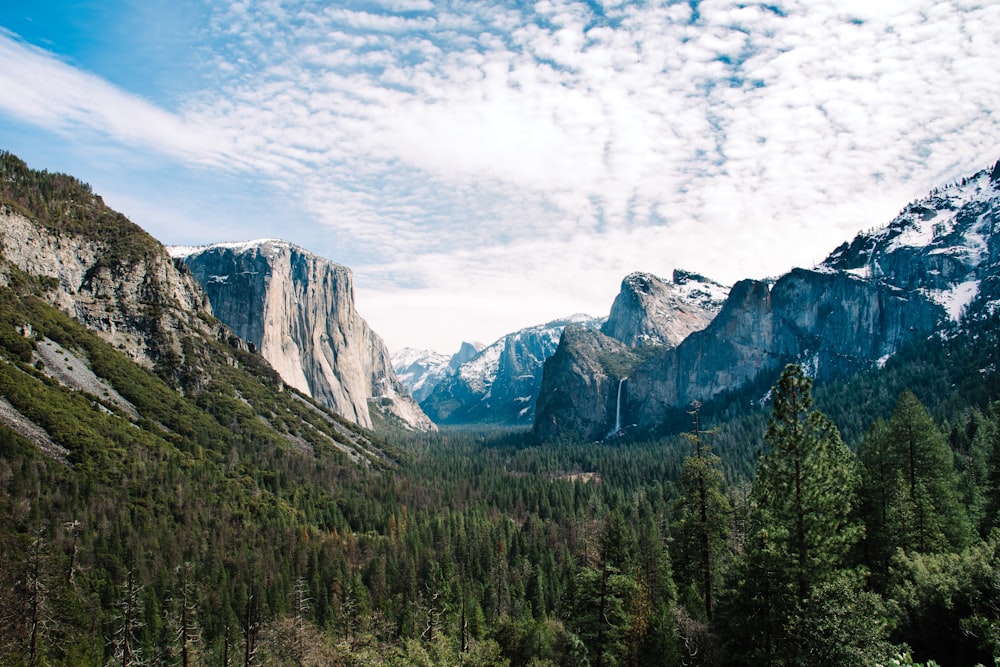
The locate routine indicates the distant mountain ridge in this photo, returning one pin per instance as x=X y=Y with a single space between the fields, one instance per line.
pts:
x=298 y=310
x=500 y=383
x=421 y=370
x=913 y=278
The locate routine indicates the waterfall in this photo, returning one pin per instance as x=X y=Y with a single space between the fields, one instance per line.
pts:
x=618 y=412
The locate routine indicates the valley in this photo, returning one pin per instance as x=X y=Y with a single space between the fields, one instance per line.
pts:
x=207 y=458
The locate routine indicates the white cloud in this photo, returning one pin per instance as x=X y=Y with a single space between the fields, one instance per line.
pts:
x=38 y=88
x=552 y=145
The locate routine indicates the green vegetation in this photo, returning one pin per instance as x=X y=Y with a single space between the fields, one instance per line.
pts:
x=236 y=523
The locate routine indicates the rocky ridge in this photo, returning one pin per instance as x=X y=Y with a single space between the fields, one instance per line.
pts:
x=652 y=311
x=587 y=378
x=937 y=260
x=420 y=371
x=500 y=384
x=138 y=303
x=297 y=310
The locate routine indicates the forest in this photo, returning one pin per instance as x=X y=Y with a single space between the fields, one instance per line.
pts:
x=758 y=535
x=229 y=521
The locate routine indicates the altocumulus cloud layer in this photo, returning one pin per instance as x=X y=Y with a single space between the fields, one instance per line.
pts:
x=506 y=163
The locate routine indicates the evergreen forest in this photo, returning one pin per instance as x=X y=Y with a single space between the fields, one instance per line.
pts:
x=855 y=522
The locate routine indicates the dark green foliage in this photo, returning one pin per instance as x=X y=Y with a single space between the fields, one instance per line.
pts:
x=234 y=519
x=804 y=488
x=791 y=580
x=949 y=603
x=910 y=489
x=702 y=524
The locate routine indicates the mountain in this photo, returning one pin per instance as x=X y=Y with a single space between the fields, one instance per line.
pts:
x=421 y=370
x=94 y=313
x=500 y=383
x=584 y=381
x=870 y=297
x=298 y=310
x=651 y=311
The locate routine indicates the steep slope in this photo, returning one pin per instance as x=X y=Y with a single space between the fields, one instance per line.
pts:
x=97 y=265
x=867 y=300
x=421 y=370
x=298 y=310
x=649 y=315
x=500 y=384
x=651 y=311
x=64 y=253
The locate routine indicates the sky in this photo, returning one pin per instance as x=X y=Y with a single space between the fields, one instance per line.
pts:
x=482 y=166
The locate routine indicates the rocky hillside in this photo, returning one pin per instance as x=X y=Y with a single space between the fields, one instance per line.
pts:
x=297 y=309
x=500 y=383
x=652 y=311
x=421 y=370
x=98 y=266
x=104 y=341
x=868 y=299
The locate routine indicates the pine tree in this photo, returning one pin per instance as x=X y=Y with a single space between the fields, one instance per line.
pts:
x=801 y=531
x=804 y=487
x=910 y=488
x=702 y=527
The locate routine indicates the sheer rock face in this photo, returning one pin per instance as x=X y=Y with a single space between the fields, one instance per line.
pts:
x=936 y=262
x=580 y=385
x=140 y=304
x=652 y=311
x=298 y=310
x=500 y=383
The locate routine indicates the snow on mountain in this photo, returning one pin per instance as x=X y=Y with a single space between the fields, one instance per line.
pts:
x=500 y=383
x=652 y=311
x=941 y=246
x=420 y=370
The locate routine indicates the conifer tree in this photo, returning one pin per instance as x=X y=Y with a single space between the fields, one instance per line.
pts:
x=930 y=512
x=801 y=530
x=804 y=487
x=910 y=493
x=702 y=526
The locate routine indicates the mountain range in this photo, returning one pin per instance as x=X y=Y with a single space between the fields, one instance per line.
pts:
x=500 y=382
x=912 y=279
x=664 y=344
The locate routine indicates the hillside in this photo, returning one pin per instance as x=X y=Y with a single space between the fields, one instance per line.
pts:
x=190 y=508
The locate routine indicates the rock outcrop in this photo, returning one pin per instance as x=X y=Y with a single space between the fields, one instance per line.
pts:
x=298 y=310
x=579 y=390
x=652 y=311
x=117 y=280
x=500 y=384
x=937 y=260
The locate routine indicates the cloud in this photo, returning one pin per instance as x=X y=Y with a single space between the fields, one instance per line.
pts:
x=43 y=90
x=561 y=143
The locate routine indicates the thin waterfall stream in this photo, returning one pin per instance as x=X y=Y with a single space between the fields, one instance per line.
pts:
x=618 y=412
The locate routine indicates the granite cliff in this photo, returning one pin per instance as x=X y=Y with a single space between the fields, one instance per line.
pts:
x=652 y=311
x=297 y=310
x=499 y=385
x=101 y=268
x=913 y=278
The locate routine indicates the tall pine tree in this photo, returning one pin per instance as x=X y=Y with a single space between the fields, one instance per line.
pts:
x=801 y=531
x=703 y=514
